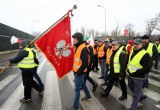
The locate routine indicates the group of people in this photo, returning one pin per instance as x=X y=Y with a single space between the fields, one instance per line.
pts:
x=115 y=60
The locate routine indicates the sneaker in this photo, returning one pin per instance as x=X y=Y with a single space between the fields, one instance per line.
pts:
x=144 y=97
x=94 y=88
x=86 y=98
x=41 y=92
x=123 y=98
x=25 y=100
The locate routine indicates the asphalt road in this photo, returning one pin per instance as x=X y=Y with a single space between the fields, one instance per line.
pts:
x=59 y=94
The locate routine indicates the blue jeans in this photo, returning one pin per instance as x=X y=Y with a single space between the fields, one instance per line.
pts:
x=136 y=86
x=146 y=81
x=36 y=76
x=102 y=64
x=79 y=82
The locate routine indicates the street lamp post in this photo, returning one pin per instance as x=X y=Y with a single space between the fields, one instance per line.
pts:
x=105 y=16
x=33 y=25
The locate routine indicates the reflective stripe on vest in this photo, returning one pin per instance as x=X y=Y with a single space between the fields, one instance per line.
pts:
x=27 y=62
x=101 y=51
x=134 y=64
x=116 y=63
x=77 y=61
x=149 y=49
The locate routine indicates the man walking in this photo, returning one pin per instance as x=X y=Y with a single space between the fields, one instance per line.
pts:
x=25 y=60
x=139 y=64
x=118 y=62
x=80 y=68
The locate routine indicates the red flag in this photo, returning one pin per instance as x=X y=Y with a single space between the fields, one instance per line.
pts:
x=126 y=32
x=56 y=45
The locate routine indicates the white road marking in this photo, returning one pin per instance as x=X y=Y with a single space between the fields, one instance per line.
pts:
x=7 y=81
x=115 y=92
x=51 y=99
x=41 y=66
x=87 y=105
x=13 y=102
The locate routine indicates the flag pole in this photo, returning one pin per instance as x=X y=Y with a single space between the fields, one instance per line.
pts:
x=5 y=67
x=74 y=7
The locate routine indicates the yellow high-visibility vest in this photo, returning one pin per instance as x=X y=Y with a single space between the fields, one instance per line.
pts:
x=36 y=56
x=116 y=63
x=27 y=62
x=134 y=64
x=158 y=48
x=149 y=49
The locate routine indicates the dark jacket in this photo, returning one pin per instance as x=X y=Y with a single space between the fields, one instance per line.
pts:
x=90 y=52
x=22 y=54
x=84 y=58
x=123 y=65
x=145 y=62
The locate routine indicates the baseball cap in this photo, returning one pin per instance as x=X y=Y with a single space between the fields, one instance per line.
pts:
x=137 y=41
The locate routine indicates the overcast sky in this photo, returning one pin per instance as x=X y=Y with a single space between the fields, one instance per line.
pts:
x=38 y=15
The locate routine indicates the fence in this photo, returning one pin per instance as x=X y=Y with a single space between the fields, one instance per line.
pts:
x=6 y=32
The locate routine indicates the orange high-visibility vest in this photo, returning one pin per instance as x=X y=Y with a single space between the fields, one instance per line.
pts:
x=108 y=55
x=101 y=51
x=94 y=50
x=77 y=58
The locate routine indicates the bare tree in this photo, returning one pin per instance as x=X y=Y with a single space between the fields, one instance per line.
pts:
x=83 y=30
x=117 y=31
x=152 y=24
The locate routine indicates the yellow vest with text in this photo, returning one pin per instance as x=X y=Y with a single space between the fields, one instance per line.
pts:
x=116 y=63
x=134 y=64
x=27 y=62
x=77 y=58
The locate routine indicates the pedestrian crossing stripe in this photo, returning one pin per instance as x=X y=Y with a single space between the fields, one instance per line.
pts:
x=115 y=92
x=51 y=98
x=13 y=102
x=87 y=105
x=7 y=81
x=158 y=106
